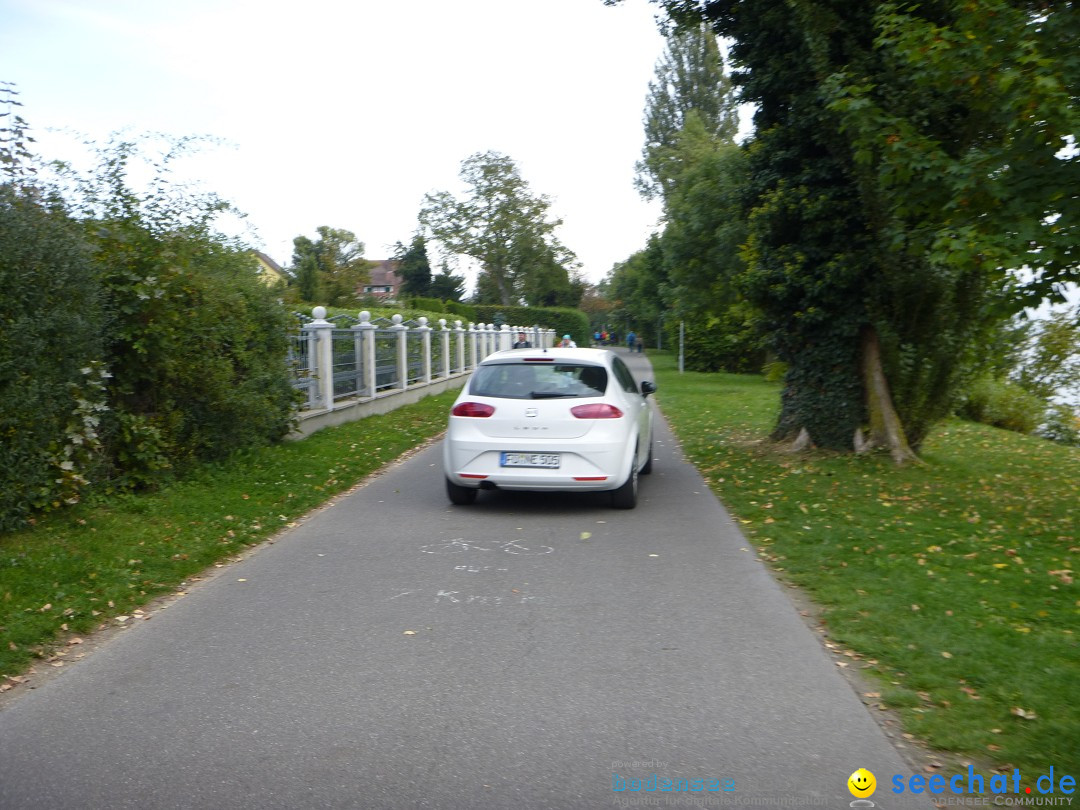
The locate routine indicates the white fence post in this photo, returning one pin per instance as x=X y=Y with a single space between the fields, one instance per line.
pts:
x=444 y=338
x=322 y=357
x=473 y=337
x=402 y=351
x=365 y=351
x=506 y=339
x=425 y=350
x=459 y=332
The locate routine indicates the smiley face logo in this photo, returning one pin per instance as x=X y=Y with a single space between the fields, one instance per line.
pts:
x=862 y=783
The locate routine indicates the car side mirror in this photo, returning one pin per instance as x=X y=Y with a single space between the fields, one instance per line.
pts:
x=648 y=388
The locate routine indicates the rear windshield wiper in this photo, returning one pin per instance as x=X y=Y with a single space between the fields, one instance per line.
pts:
x=551 y=395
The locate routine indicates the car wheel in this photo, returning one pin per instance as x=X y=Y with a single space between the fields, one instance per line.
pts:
x=646 y=468
x=625 y=497
x=459 y=495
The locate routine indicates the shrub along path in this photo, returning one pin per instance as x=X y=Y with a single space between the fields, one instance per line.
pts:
x=951 y=582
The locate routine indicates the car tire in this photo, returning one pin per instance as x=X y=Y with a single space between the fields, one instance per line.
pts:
x=459 y=495
x=646 y=468
x=625 y=497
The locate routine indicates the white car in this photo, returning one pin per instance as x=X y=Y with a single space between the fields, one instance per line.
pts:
x=568 y=420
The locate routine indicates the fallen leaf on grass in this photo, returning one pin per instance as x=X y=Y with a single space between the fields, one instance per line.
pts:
x=1025 y=714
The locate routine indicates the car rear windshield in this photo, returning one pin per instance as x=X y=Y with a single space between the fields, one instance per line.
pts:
x=539 y=381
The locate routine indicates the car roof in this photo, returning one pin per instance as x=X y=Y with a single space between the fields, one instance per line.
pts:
x=591 y=356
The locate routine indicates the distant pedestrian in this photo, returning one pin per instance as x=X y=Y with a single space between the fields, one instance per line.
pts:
x=567 y=343
x=522 y=342
x=631 y=339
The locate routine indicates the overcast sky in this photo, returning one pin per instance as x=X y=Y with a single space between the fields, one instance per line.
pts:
x=346 y=112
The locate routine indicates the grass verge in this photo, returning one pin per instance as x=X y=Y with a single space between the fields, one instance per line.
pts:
x=80 y=568
x=951 y=582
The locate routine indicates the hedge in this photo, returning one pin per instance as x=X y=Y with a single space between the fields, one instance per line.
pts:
x=563 y=320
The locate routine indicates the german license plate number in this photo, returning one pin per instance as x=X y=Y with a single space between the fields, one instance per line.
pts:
x=509 y=459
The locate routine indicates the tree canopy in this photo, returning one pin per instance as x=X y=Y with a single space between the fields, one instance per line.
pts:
x=689 y=81
x=912 y=180
x=414 y=268
x=504 y=226
x=331 y=268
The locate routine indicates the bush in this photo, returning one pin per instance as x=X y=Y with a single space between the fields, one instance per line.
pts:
x=50 y=339
x=564 y=321
x=467 y=312
x=1061 y=425
x=1002 y=404
x=198 y=351
x=729 y=342
x=132 y=339
x=429 y=304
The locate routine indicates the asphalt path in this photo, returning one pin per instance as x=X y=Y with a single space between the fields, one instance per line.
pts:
x=528 y=651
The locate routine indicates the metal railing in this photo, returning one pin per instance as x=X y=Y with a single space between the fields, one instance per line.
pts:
x=343 y=359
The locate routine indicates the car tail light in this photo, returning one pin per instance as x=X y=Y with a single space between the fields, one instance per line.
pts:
x=472 y=409
x=596 y=410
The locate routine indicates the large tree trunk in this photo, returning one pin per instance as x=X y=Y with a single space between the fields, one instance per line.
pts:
x=885 y=427
x=500 y=282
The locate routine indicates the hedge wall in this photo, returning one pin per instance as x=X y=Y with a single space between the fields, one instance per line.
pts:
x=563 y=320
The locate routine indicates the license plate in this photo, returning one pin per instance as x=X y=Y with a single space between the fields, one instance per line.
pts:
x=529 y=460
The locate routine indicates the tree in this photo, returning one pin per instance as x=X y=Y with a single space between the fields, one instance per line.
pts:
x=640 y=289
x=1050 y=365
x=447 y=287
x=876 y=297
x=16 y=159
x=689 y=80
x=414 y=267
x=970 y=144
x=331 y=268
x=597 y=304
x=500 y=223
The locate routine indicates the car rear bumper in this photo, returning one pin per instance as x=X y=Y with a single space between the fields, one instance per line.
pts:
x=584 y=467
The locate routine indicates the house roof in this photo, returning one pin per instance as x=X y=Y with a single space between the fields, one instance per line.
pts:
x=384 y=273
x=270 y=267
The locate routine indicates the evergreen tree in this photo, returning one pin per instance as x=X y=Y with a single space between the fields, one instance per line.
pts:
x=689 y=80
x=447 y=287
x=414 y=268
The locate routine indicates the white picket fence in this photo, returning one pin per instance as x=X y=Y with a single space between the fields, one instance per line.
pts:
x=372 y=367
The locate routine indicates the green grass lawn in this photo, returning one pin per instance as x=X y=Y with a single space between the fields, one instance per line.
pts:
x=952 y=581
x=82 y=567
